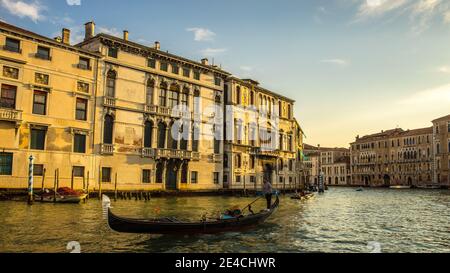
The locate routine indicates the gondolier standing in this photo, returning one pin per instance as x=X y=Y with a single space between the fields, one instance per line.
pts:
x=267 y=187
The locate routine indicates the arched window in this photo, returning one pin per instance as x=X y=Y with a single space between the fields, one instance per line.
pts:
x=225 y=160
x=173 y=96
x=280 y=165
x=163 y=95
x=159 y=173
x=238 y=161
x=108 y=130
x=148 y=134
x=195 y=138
x=149 y=92
x=184 y=136
x=162 y=135
x=173 y=136
x=111 y=84
x=185 y=97
x=238 y=95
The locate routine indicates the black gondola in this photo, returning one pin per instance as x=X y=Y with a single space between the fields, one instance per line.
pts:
x=173 y=226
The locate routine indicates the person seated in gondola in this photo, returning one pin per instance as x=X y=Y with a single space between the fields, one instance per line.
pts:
x=232 y=213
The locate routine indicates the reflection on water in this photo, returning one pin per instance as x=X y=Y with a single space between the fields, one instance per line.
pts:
x=342 y=220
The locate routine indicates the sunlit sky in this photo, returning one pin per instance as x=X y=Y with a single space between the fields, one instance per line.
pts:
x=354 y=66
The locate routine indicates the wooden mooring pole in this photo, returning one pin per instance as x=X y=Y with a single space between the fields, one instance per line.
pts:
x=87 y=186
x=100 y=185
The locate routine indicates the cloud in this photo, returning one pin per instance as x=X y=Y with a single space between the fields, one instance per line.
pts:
x=110 y=31
x=373 y=8
x=202 y=34
x=338 y=62
x=437 y=95
x=213 y=51
x=23 y=9
x=444 y=69
x=246 y=68
x=73 y=2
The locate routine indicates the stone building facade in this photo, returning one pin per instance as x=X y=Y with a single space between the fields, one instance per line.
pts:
x=334 y=163
x=394 y=157
x=47 y=101
x=261 y=132
x=109 y=109
x=441 y=143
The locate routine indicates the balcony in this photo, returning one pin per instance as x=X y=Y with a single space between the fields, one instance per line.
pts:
x=155 y=109
x=11 y=115
x=265 y=152
x=109 y=102
x=148 y=152
x=107 y=149
x=176 y=154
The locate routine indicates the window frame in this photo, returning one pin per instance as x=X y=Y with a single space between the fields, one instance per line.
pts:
x=4 y=99
x=103 y=180
x=80 y=111
x=47 y=50
x=84 y=142
x=74 y=168
x=194 y=177
x=38 y=174
x=36 y=144
x=44 y=104
x=6 y=165
x=9 y=48
x=86 y=66
x=146 y=176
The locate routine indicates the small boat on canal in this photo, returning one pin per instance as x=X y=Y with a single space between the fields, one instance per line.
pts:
x=301 y=197
x=163 y=226
x=62 y=195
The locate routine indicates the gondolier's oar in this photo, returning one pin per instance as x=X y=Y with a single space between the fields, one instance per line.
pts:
x=252 y=203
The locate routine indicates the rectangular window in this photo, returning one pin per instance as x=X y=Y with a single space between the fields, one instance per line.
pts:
x=78 y=171
x=163 y=66
x=38 y=170
x=196 y=75
x=38 y=139
x=106 y=175
x=81 y=109
x=43 y=53
x=146 y=174
x=39 y=103
x=186 y=72
x=238 y=179
x=217 y=81
x=6 y=161
x=151 y=63
x=79 y=143
x=175 y=69
x=252 y=179
x=84 y=63
x=194 y=177
x=216 y=178
x=113 y=52
x=8 y=96
x=12 y=45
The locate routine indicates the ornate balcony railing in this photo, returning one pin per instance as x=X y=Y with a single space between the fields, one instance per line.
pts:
x=10 y=115
x=148 y=152
x=109 y=102
x=217 y=158
x=107 y=149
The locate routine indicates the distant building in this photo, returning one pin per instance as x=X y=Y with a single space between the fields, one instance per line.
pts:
x=441 y=143
x=418 y=157
x=333 y=162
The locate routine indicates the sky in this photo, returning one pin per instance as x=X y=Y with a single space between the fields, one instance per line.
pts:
x=354 y=67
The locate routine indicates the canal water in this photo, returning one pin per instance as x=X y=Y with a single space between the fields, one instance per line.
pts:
x=342 y=220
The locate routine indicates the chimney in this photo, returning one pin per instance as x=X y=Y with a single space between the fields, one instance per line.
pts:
x=157 y=45
x=205 y=61
x=89 y=30
x=66 y=36
x=125 y=35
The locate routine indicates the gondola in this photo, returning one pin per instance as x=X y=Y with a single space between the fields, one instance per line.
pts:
x=165 y=226
x=303 y=197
